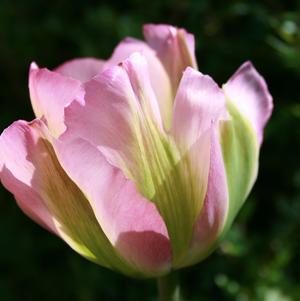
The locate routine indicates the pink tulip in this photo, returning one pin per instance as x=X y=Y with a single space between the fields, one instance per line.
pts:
x=140 y=163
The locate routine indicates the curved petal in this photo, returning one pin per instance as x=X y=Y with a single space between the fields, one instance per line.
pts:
x=16 y=176
x=34 y=175
x=199 y=102
x=131 y=222
x=49 y=93
x=82 y=69
x=121 y=118
x=248 y=91
x=117 y=103
x=210 y=222
x=158 y=76
x=240 y=150
x=175 y=48
x=249 y=105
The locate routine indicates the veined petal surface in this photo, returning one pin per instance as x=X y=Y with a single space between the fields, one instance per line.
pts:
x=199 y=105
x=33 y=174
x=159 y=78
x=249 y=104
x=131 y=222
x=121 y=117
x=140 y=163
x=210 y=222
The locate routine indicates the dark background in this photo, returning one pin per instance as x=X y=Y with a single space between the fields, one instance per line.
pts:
x=259 y=259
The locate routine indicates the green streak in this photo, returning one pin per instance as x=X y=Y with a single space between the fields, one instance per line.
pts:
x=168 y=287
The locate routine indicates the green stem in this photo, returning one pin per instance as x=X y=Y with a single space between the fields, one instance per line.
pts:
x=168 y=287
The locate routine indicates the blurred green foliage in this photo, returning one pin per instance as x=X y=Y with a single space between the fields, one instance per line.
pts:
x=258 y=260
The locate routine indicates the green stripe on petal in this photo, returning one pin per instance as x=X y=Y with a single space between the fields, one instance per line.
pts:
x=41 y=173
x=240 y=152
x=120 y=115
x=165 y=178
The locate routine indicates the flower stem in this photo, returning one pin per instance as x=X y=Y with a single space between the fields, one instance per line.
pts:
x=168 y=287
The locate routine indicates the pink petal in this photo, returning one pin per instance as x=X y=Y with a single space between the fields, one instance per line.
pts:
x=45 y=192
x=158 y=76
x=17 y=173
x=112 y=100
x=126 y=48
x=174 y=46
x=50 y=92
x=82 y=69
x=199 y=102
x=248 y=91
x=210 y=222
x=138 y=73
x=131 y=222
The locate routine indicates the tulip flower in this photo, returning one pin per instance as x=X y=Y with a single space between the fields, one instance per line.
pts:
x=140 y=163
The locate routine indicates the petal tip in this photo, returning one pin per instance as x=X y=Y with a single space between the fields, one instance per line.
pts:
x=33 y=66
x=248 y=90
x=248 y=70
